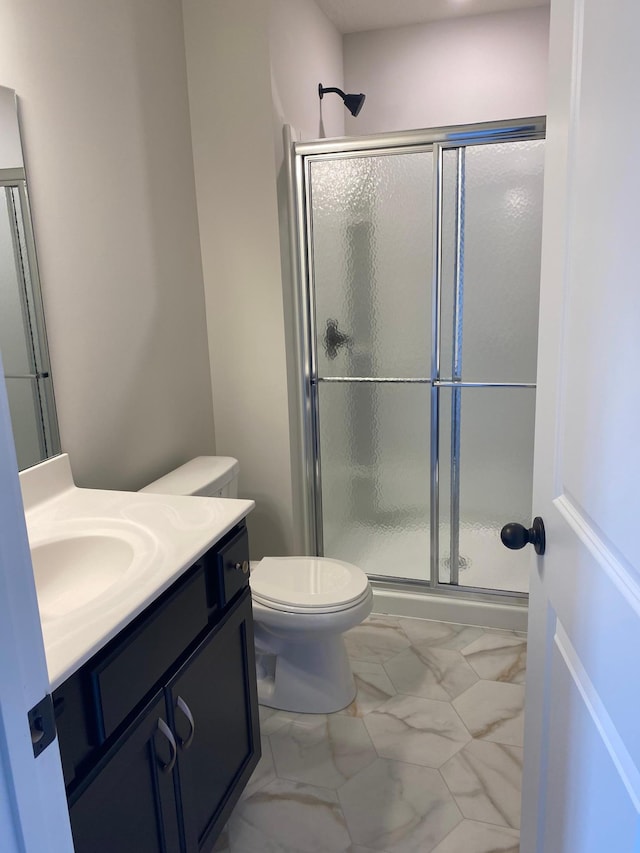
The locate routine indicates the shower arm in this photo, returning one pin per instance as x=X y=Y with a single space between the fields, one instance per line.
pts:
x=322 y=89
x=352 y=102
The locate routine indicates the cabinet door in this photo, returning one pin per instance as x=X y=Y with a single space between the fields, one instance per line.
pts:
x=214 y=712
x=127 y=803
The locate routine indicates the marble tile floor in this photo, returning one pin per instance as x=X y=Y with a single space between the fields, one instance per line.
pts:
x=427 y=759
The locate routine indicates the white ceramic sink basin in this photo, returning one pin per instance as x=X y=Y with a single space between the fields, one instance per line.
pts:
x=78 y=567
x=101 y=557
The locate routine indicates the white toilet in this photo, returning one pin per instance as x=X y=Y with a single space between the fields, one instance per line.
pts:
x=301 y=607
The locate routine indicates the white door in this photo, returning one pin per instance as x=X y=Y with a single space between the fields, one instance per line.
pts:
x=581 y=787
x=33 y=807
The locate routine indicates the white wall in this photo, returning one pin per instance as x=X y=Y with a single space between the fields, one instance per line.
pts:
x=236 y=53
x=230 y=100
x=10 y=150
x=454 y=71
x=105 y=121
x=305 y=49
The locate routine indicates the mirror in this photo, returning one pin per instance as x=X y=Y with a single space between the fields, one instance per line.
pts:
x=23 y=340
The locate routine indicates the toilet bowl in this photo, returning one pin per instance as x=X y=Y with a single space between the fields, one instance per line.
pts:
x=301 y=608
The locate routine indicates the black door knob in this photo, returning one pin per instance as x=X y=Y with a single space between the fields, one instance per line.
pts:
x=516 y=536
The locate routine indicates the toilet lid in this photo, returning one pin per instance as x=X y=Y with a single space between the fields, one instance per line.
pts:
x=307 y=583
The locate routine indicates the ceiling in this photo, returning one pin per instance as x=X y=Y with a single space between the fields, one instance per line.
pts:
x=354 y=16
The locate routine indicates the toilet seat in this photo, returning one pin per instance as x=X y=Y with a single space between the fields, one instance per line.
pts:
x=308 y=584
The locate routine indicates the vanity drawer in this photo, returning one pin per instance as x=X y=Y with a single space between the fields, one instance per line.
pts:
x=230 y=567
x=142 y=654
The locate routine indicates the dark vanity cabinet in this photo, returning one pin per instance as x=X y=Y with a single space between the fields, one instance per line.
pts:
x=128 y=803
x=159 y=731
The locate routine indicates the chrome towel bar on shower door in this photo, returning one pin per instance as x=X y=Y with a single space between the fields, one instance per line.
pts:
x=435 y=383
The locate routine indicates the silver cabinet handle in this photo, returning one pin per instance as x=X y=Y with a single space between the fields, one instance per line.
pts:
x=186 y=742
x=242 y=567
x=164 y=729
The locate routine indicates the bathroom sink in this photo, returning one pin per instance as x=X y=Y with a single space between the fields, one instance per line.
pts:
x=100 y=557
x=75 y=568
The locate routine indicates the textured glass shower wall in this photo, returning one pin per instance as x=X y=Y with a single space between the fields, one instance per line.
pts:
x=375 y=475
x=371 y=271
x=496 y=465
x=372 y=259
x=372 y=243
x=501 y=198
x=494 y=194
x=23 y=346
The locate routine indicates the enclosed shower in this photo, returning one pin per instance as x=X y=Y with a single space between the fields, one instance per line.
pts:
x=419 y=262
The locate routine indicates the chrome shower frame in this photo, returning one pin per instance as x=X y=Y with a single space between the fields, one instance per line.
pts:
x=13 y=185
x=437 y=140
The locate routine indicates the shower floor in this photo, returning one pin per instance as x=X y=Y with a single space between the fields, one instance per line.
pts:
x=402 y=553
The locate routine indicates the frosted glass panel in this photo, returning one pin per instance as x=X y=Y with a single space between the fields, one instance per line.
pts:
x=496 y=483
x=26 y=416
x=502 y=219
x=372 y=261
x=17 y=349
x=375 y=476
x=22 y=339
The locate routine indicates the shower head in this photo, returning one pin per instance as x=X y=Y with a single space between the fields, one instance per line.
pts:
x=352 y=102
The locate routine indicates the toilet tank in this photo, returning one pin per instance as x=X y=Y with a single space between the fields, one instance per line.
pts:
x=208 y=476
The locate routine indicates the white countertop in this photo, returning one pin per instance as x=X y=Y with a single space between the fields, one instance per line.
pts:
x=167 y=534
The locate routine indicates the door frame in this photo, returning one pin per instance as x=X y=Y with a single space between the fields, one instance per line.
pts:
x=33 y=811
x=303 y=154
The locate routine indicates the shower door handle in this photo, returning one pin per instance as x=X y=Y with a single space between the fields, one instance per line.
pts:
x=516 y=536
x=334 y=339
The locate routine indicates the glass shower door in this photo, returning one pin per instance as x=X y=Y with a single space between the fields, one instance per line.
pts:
x=492 y=216
x=371 y=249
x=421 y=265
